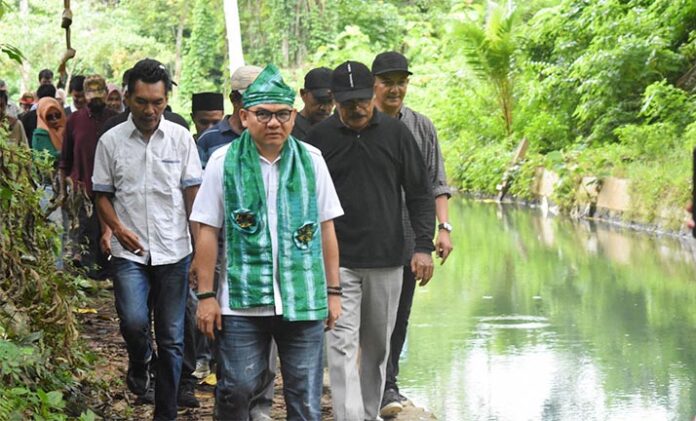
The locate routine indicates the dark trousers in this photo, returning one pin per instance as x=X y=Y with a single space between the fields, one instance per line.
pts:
x=244 y=346
x=84 y=244
x=136 y=288
x=189 y=363
x=399 y=334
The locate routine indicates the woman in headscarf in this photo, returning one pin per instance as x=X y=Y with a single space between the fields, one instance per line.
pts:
x=50 y=125
x=48 y=136
x=114 y=99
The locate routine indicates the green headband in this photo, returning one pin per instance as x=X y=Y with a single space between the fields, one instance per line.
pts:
x=268 y=88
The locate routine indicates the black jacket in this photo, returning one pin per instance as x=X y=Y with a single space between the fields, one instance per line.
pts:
x=369 y=169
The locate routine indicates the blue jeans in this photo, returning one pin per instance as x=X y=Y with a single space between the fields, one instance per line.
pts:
x=166 y=285
x=242 y=353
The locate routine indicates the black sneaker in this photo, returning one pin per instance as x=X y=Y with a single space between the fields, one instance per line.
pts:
x=138 y=378
x=187 y=396
x=147 y=398
x=403 y=399
x=391 y=404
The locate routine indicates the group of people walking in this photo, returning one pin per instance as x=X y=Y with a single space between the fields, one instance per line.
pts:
x=271 y=234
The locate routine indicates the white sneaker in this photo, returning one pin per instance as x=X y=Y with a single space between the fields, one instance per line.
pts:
x=391 y=409
x=202 y=370
x=391 y=404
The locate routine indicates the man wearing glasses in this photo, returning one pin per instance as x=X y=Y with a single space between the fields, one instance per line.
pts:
x=230 y=127
x=317 y=99
x=274 y=198
x=372 y=158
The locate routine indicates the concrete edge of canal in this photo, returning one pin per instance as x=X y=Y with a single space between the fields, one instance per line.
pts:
x=605 y=199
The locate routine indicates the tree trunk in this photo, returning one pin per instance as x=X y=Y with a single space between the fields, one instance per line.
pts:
x=179 y=42
x=25 y=83
x=234 y=35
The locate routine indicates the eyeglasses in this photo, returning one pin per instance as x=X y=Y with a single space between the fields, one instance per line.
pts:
x=53 y=117
x=265 y=116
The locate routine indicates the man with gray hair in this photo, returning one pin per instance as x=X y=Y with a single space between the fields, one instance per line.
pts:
x=391 y=82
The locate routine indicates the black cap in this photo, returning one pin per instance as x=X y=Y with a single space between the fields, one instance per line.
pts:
x=318 y=82
x=352 y=80
x=207 y=101
x=390 y=61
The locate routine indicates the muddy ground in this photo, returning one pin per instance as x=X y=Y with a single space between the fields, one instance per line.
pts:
x=100 y=330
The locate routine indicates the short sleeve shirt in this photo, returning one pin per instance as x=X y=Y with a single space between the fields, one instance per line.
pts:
x=148 y=178
x=209 y=209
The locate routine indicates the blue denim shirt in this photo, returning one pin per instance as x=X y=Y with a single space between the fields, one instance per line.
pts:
x=215 y=137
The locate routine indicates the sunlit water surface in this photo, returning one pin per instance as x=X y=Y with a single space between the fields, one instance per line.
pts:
x=536 y=318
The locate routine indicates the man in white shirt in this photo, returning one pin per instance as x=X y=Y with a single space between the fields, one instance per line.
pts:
x=146 y=175
x=274 y=197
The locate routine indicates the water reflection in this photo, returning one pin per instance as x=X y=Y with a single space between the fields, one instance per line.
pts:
x=540 y=318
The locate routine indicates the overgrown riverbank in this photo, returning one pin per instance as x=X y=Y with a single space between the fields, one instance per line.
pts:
x=598 y=89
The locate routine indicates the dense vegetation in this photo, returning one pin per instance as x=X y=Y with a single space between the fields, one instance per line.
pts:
x=597 y=88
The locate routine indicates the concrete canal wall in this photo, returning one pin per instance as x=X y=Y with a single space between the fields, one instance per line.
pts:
x=607 y=199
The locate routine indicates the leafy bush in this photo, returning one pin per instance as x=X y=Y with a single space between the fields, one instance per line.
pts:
x=595 y=95
x=40 y=354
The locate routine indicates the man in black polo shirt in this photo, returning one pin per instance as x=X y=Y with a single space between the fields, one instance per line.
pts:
x=372 y=158
x=318 y=101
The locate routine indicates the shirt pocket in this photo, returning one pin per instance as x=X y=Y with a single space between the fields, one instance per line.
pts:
x=167 y=173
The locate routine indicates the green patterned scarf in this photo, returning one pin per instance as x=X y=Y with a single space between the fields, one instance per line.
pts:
x=249 y=254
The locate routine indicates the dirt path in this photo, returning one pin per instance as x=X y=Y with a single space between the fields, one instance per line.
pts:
x=100 y=330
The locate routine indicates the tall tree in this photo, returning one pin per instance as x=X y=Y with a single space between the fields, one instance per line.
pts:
x=204 y=60
x=234 y=35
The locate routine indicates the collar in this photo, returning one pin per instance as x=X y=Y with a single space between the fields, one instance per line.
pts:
x=224 y=126
x=133 y=131
x=264 y=160
x=404 y=111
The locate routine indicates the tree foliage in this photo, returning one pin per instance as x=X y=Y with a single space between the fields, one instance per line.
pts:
x=40 y=353
x=489 y=50
x=204 y=60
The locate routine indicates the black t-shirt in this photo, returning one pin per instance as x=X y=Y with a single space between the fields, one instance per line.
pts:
x=369 y=170
x=302 y=127
x=29 y=122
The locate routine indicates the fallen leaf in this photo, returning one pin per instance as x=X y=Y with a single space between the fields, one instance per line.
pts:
x=87 y=311
x=210 y=379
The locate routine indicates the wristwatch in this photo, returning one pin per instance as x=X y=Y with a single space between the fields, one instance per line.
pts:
x=445 y=226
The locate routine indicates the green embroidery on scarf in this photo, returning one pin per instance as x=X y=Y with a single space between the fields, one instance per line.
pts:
x=249 y=254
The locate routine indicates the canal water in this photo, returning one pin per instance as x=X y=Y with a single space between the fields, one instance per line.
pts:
x=536 y=318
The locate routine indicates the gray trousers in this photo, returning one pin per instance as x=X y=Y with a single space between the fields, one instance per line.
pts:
x=358 y=346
